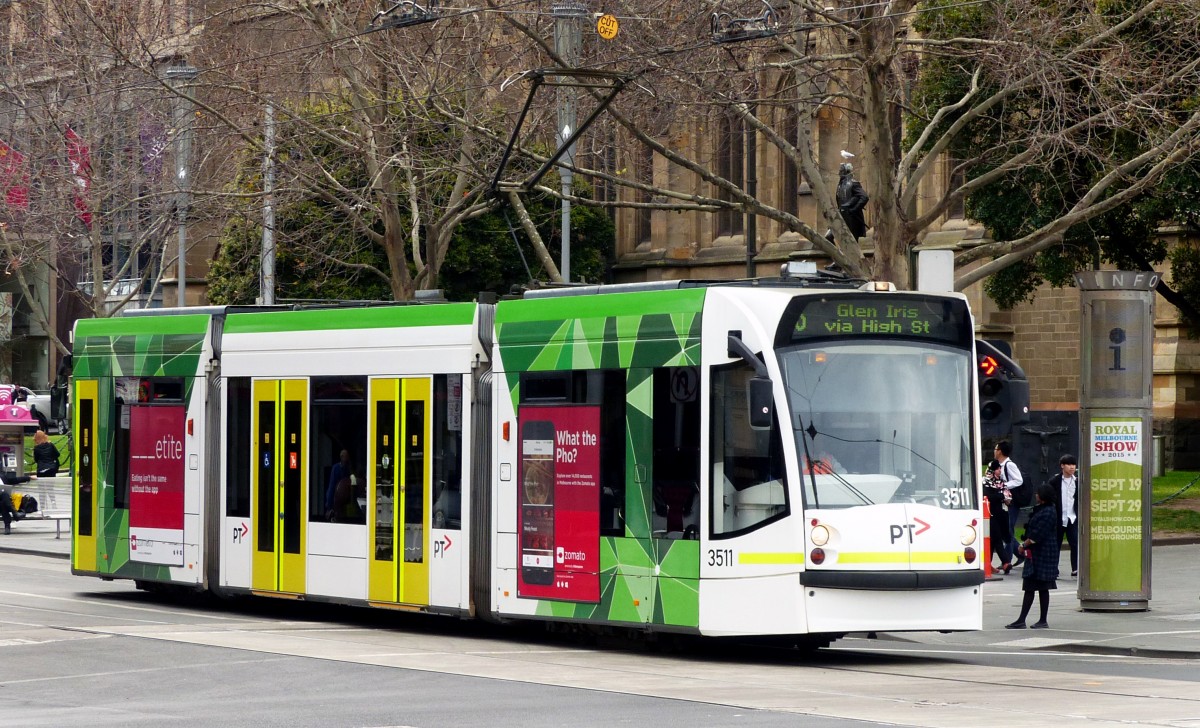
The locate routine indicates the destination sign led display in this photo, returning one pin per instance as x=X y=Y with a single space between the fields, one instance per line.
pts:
x=859 y=314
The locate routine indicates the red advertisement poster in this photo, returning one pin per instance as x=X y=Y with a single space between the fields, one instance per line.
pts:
x=156 y=484
x=558 y=503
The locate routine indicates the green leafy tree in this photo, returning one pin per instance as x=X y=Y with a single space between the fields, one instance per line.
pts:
x=1099 y=197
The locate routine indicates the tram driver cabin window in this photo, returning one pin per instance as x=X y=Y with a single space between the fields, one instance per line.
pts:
x=748 y=487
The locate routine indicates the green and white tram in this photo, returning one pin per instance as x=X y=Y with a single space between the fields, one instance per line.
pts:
x=790 y=457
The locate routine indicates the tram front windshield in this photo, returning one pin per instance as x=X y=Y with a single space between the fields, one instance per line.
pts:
x=881 y=422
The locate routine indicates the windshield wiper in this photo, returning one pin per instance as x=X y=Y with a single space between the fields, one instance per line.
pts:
x=809 y=465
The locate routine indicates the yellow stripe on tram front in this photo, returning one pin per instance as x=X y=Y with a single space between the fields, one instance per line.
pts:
x=769 y=557
x=887 y=557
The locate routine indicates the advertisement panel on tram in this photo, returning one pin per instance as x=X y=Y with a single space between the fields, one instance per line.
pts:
x=559 y=503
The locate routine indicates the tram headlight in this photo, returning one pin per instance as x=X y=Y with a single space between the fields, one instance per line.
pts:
x=819 y=536
x=968 y=535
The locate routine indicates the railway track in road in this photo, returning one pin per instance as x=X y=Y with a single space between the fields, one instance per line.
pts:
x=872 y=680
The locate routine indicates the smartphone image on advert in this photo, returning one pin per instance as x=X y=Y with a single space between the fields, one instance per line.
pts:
x=536 y=496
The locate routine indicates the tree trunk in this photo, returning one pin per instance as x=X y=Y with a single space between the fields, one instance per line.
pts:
x=891 y=244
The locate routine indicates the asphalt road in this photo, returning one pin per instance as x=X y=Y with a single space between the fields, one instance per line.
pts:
x=77 y=651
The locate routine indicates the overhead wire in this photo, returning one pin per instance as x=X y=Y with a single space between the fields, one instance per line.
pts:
x=600 y=64
x=658 y=51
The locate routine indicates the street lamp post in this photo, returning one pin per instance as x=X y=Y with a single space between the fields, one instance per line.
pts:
x=568 y=42
x=177 y=76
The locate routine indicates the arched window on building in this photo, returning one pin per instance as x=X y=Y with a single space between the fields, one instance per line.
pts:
x=792 y=183
x=955 y=179
x=731 y=156
x=645 y=175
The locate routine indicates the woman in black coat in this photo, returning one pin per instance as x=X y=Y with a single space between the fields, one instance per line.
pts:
x=45 y=455
x=1041 y=565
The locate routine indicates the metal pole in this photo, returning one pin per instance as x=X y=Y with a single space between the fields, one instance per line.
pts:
x=177 y=75
x=568 y=41
x=267 y=261
x=752 y=192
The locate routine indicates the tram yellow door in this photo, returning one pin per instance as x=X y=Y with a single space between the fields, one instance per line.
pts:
x=280 y=426
x=398 y=490
x=84 y=521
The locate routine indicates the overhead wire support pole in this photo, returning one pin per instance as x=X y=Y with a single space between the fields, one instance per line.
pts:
x=618 y=82
x=538 y=79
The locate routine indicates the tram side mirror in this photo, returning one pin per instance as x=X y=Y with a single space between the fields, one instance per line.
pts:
x=762 y=403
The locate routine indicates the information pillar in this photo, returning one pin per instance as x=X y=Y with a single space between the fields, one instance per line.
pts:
x=1116 y=402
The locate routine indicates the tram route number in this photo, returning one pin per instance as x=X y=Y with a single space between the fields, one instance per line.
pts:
x=720 y=557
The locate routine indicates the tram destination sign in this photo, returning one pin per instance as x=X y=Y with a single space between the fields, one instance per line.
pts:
x=859 y=314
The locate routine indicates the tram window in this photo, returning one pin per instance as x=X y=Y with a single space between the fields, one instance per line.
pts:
x=414 y=473
x=87 y=442
x=146 y=390
x=748 y=488
x=612 y=454
x=339 y=422
x=447 y=451
x=265 y=444
x=676 y=461
x=385 y=474
x=121 y=454
x=546 y=386
x=584 y=386
x=166 y=390
x=237 y=447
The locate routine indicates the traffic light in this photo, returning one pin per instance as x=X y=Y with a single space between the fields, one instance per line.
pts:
x=1003 y=391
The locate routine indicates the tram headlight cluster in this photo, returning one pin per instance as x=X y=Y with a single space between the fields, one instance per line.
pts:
x=819 y=535
x=968 y=535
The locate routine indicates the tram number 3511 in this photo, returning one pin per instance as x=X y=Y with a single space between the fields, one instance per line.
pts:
x=720 y=557
x=955 y=497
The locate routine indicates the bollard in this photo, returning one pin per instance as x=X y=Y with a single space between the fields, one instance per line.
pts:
x=987 y=539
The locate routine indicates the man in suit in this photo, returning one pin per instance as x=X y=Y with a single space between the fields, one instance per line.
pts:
x=1066 y=503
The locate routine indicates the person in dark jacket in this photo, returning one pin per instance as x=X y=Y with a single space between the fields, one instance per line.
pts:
x=1066 y=504
x=7 y=512
x=45 y=455
x=993 y=490
x=1041 y=564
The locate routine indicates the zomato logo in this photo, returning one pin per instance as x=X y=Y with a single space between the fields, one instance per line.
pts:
x=562 y=556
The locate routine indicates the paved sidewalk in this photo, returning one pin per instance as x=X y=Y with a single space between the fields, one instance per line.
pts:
x=1171 y=627
x=37 y=536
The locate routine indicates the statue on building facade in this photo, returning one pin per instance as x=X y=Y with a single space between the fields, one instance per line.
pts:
x=851 y=199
